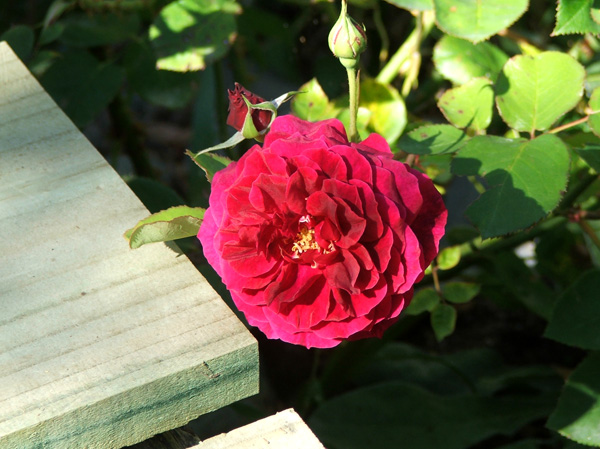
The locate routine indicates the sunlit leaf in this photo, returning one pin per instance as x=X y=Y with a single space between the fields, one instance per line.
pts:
x=312 y=103
x=469 y=105
x=175 y=223
x=460 y=60
x=477 y=20
x=387 y=107
x=532 y=92
x=574 y=16
x=189 y=34
x=433 y=139
x=413 y=5
x=448 y=257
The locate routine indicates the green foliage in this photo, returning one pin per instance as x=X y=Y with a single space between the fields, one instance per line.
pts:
x=534 y=91
x=460 y=292
x=21 y=39
x=576 y=316
x=424 y=300
x=312 y=103
x=171 y=224
x=459 y=60
x=388 y=112
x=575 y=16
x=526 y=179
x=578 y=411
x=413 y=5
x=594 y=104
x=469 y=105
x=433 y=139
x=210 y=163
x=449 y=257
x=477 y=21
x=385 y=415
x=443 y=320
x=189 y=34
x=82 y=85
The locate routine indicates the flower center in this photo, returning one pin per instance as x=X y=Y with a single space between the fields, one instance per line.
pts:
x=305 y=240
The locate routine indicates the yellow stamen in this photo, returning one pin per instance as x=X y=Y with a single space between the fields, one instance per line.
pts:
x=305 y=240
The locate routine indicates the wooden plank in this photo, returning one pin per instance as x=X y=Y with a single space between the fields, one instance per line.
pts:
x=282 y=430
x=100 y=346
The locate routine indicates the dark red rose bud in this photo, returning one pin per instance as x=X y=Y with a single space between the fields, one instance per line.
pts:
x=238 y=109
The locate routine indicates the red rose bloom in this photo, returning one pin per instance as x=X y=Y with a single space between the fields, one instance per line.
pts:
x=238 y=109
x=320 y=240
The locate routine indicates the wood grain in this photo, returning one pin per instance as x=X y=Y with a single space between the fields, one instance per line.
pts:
x=100 y=346
x=284 y=430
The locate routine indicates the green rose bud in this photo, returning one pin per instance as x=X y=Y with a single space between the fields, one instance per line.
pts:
x=347 y=39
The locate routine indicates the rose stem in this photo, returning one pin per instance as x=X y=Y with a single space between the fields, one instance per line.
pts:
x=354 y=88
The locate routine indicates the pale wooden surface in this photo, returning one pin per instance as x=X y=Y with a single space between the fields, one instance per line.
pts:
x=100 y=346
x=284 y=430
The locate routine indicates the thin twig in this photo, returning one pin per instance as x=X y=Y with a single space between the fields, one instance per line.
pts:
x=569 y=125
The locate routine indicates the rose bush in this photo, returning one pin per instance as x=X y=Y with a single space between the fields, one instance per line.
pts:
x=320 y=240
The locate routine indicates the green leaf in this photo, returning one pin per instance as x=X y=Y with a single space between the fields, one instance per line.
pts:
x=424 y=300
x=443 y=320
x=574 y=16
x=388 y=116
x=525 y=180
x=460 y=292
x=469 y=105
x=209 y=162
x=594 y=104
x=81 y=85
x=93 y=30
x=477 y=20
x=532 y=92
x=413 y=5
x=161 y=87
x=175 y=223
x=312 y=103
x=459 y=60
x=576 y=317
x=189 y=34
x=591 y=155
x=433 y=139
x=20 y=38
x=448 y=257
x=577 y=415
x=398 y=415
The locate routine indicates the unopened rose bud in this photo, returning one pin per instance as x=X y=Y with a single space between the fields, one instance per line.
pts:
x=347 y=39
x=238 y=110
